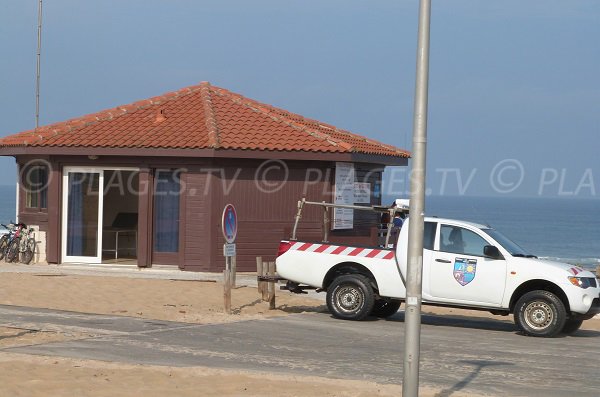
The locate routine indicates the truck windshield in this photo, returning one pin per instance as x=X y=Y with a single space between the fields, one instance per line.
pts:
x=508 y=244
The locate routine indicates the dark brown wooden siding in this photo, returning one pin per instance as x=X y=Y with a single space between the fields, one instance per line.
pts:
x=265 y=194
x=197 y=222
x=144 y=241
x=266 y=209
x=32 y=216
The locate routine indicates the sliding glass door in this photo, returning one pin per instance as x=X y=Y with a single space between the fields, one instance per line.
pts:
x=82 y=215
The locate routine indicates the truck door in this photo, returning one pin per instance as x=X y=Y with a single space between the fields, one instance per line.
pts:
x=459 y=272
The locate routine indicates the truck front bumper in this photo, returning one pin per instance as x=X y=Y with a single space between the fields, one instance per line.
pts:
x=594 y=310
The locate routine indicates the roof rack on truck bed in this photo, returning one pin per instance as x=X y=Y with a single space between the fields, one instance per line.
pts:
x=401 y=206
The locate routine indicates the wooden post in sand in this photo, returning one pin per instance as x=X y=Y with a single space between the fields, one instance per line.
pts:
x=233 y=270
x=259 y=274
x=271 y=273
x=598 y=271
x=265 y=274
x=227 y=289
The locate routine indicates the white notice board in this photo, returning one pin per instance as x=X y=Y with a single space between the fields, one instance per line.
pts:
x=343 y=218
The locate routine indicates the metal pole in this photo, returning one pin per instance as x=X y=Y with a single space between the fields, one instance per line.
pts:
x=297 y=219
x=390 y=225
x=326 y=224
x=412 y=319
x=38 y=66
x=227 y=285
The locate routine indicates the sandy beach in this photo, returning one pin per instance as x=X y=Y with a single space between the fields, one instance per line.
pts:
x=197 y=301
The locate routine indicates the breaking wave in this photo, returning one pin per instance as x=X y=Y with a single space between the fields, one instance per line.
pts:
x=586 y=263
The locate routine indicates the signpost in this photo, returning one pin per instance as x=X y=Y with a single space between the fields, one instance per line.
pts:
x=229 y=227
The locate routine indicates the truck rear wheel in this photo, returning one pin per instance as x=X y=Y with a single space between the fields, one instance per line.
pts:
x=350 y=297
x=385 y=307
x=540 y=313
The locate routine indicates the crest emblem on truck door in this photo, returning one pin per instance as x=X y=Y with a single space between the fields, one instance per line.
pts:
x=464 y=270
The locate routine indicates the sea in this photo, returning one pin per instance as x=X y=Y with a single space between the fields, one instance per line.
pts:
x=8 y=201
x=562 y=229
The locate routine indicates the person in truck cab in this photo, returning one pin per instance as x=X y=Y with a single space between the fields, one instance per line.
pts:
x=456 y=242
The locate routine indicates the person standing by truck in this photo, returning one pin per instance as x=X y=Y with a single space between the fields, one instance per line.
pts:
x=398 y=220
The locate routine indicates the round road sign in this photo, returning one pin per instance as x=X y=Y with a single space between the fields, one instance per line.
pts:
x=229 y=223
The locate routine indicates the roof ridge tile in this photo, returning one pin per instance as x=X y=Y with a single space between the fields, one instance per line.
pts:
x=211 y=122
x=110 y=113
x=270 y=110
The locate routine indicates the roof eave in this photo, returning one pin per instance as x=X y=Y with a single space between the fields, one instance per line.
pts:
x=207 y=153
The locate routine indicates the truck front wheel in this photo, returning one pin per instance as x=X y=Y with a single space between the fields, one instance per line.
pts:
x=571 y=326
x=540 y=313
x=385 y=307
x=350 y=297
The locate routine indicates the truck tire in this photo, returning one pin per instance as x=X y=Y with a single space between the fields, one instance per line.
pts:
x=571 y=326
x=540 y=313
x=350 y=297
x=385 y=307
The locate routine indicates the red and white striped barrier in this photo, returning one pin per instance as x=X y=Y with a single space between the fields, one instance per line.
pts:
x=343 y=250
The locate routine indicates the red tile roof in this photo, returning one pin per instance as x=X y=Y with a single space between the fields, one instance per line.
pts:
x=200 y=117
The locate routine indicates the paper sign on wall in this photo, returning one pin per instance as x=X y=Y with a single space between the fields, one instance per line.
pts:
x=343 y=218
x=362 y=193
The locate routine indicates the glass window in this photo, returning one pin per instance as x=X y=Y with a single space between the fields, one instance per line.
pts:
x=461 y=241
x=35 y=183
x=166 y=211
x=504 y=241
x=429 y=235
x=82 y=214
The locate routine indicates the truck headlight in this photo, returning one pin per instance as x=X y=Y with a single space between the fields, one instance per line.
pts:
x=582 y=282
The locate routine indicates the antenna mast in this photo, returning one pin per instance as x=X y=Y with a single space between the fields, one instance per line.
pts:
x=39 y=58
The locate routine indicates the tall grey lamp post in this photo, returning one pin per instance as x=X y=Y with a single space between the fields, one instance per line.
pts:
x=412 y=319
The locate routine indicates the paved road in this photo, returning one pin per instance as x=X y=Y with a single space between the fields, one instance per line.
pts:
x=465 y=354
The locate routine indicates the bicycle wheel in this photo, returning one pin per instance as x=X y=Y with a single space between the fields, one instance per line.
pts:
x=12 y=253
x=27 y=254
x=3 y=246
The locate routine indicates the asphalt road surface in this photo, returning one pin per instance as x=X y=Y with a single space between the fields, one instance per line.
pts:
x=457 y=354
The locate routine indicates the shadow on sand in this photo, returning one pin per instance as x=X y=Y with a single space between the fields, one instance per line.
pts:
x=284 y=308
x=478 y=367
x=458 y=321
x=483 y=323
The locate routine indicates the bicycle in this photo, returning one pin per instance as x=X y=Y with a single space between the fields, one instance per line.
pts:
x=6 y=238
x=14 y=244
x=27 y=246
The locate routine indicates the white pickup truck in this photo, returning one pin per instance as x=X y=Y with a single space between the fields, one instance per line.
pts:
x=465 y=265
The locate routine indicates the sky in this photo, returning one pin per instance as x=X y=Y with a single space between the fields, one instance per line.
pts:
x=514 y=89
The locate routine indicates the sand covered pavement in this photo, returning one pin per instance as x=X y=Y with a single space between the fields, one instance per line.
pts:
x=36 y=376
x=192 y=301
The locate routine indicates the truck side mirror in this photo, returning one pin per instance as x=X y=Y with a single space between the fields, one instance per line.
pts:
x=490 y=251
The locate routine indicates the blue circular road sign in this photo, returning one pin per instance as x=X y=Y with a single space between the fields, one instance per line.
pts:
x=229 y=223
